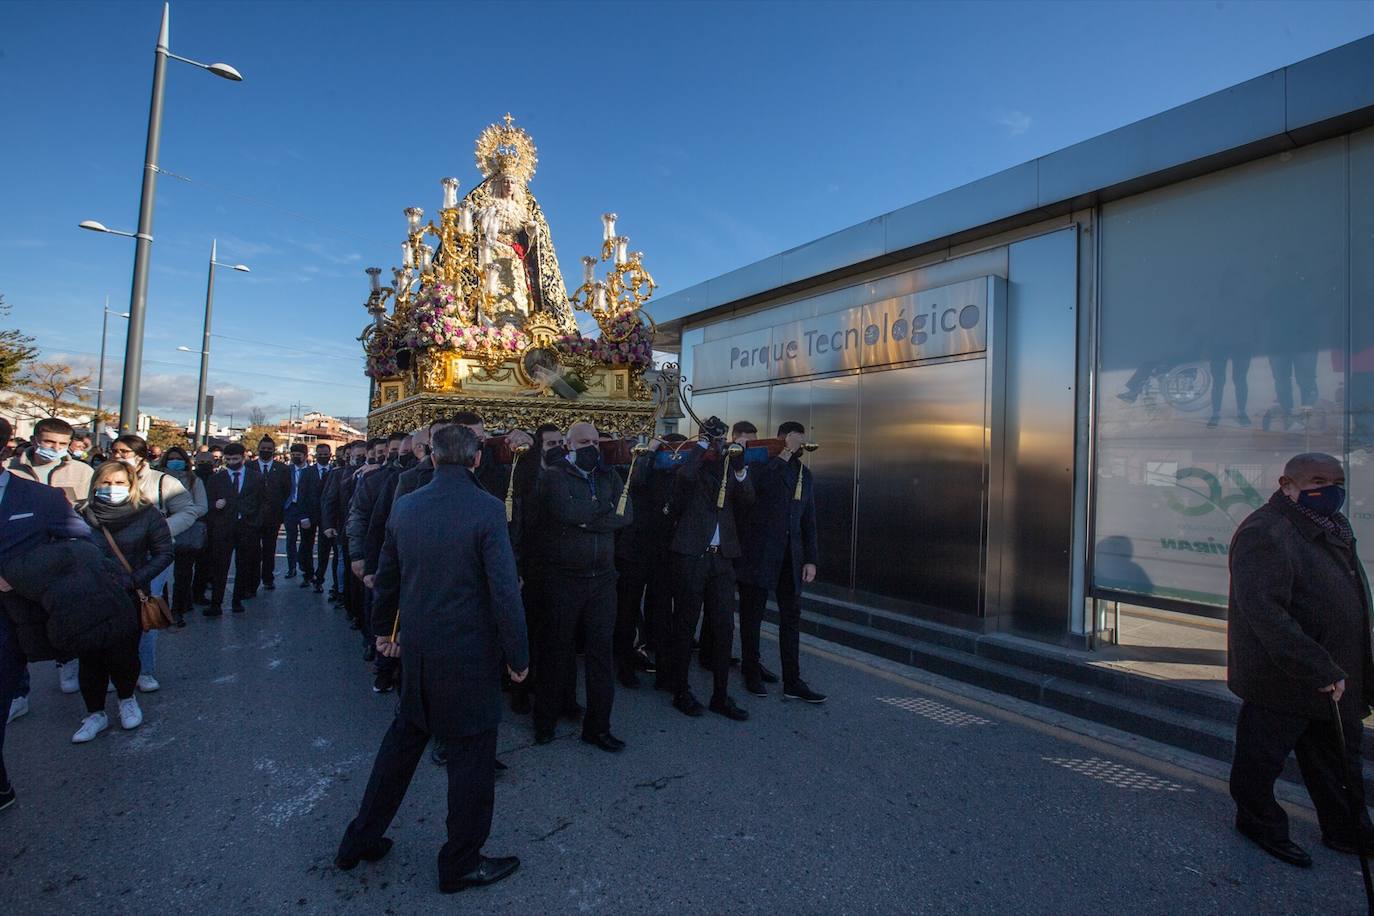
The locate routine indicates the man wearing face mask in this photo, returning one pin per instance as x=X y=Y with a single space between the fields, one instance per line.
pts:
x=363 y=552
x=301 y=514
x=321 y=469
x=233 y=526
x=207 y=462
x=416 y=477
x=1298 y=639
x=528 y=538
x=276 y=485
x=367 y=463
x=49 y=461
x=334 y=508
x=578 y=499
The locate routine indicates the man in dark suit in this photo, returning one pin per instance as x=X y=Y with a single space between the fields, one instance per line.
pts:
x=301 y=514
x=234 y=525
x=777 y=553
x=334 y=510
x=275 y=485
x=458 y=600
x=414 y=478
x=1299 y=657
x=703 y=550
x=31 y=514
x=321 y=468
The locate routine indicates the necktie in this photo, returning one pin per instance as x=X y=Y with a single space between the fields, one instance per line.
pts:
x=295 y=484
x=236 y=482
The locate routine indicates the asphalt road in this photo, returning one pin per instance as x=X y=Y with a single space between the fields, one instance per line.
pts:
x=903 y=793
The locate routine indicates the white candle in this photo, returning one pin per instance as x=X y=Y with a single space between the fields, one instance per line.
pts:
x=588 y=270
x=465 y=218
x=608 y=225
x=622 y=244
x=483 y=253
x=426 y=255
x=450 y=186
x=375 y=273
x=493 y=283
x=599 y=302
x=407 y=257
x=413 y=217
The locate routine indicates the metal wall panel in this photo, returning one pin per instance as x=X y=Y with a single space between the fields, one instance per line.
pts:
x=834 y=425
x=921 y=484
x=1330 y=85
x=747 y=404
x=1037 y=516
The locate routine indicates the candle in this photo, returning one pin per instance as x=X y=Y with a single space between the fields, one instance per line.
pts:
x=622 y=243
x=413 y=216
x=465 y=218
x=493 y=282
x=375 y=273
x=599 y=301
x=608 y=225
x=483 y=253
x=450 y=186
x=426 y=255
x=588 y=270
x=407 y=256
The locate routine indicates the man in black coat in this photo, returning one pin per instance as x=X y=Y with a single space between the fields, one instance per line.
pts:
x=324 y=546
x=275 y=484
x=1299 y=649
x=301 y=514
x=579 y=497
x=234 y=525
x=458 y=600
x=529 y=531
x=332 y=514
x=777 y=553
x=643 y=584
x=703 y=550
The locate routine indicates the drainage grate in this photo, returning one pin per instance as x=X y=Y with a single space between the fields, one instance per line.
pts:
x=946 y=715
x=1123 y=777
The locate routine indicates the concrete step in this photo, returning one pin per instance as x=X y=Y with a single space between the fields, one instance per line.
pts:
x=1180 y=717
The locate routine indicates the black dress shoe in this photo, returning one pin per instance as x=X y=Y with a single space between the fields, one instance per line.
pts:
x=644 y=663
x=501 y=766
x=628 y=680
x=606 y=741
x=384 y=681
x=180 y=619
x=270 y=586
x=1347 y=845
x=238 y=607
x=687 y=704
x=319 y=589
x=203 y=601
x=767 y=676
x=370 y=652
x=799 y=691
x=488 y=871
x=369 y=853
x=543 y=735
x=753 y=684
x=1283 y=849
x=572 y=711
x=213 y=611
x=438 y=754
x=729 y=709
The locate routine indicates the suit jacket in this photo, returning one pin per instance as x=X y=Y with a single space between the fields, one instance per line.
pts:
x=459 y=603
x=242 y=506
x=276 y=487
x=581 y=520
x=1298 y=616
x=330 y=512
x=360 y=509
x=376 y=523
x=692 y=507
x=774 y=522
x=32 y=514
x=414 y=478
x=307 y=492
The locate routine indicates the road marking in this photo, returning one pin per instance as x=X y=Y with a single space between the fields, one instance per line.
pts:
x=1122 y=777
x=946 y=715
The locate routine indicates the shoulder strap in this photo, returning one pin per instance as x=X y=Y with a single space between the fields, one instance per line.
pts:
x=117 y=552
x=160 y=482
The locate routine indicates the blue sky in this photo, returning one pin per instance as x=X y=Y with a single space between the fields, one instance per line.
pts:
x=721 y=133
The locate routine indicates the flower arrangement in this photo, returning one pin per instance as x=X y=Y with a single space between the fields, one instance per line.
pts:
x=628 y=343
x=435 y=322
x=382 y=353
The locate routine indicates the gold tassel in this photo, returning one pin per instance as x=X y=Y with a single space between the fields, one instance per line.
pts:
x=625 y=492
x=510 y=488
x=734 y=449
x=808 y=447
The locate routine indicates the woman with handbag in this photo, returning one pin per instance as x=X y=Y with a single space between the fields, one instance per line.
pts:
x=189 y=542
x=135 y=535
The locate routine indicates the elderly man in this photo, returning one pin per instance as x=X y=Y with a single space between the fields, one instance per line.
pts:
x=1299 y=650
x=458 y=601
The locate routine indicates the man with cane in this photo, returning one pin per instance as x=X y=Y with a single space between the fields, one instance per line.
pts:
x=1299 y=657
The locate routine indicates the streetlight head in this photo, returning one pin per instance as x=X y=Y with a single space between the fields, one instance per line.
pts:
x=92 y=225
x=225 y=71
x=185 y=349
x=242 y=267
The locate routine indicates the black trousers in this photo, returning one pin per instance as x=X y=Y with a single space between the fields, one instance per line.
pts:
x=300 y=557
x=575 y=602
x=471 y=794
x=536 y=622
x=643 y=607
x=1265 y=738
x=752 y=601
x=324 y=547
x=118 y=664
x=239 y=541
x=185 y=576
x=353 y=591
x=205 y=571
x=703 y=584
x=267 y=547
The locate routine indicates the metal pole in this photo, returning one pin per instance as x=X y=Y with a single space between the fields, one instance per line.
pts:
x=100 y=383
x=143 y=241
x=205 y=347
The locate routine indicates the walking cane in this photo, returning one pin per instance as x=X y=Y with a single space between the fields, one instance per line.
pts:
x=1356 y=806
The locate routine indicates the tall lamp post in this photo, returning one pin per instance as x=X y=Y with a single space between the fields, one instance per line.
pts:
x=143 y=248
x=100 y=382
x=205 y=340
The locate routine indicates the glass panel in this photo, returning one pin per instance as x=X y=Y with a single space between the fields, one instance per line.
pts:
x=748 y=404
x=1361 y=371
x=1223 y=333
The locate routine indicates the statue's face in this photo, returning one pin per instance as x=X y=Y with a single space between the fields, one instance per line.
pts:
x=502 y=188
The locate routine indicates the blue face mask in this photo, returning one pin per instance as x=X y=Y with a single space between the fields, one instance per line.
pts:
x=1323 y=500
x=50 y=454
x=176 y=464
x=114 y=495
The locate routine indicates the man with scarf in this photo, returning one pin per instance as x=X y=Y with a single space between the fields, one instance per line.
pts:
x=1298 y=651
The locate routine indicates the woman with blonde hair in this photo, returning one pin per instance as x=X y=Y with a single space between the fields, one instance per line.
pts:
x=127 y=525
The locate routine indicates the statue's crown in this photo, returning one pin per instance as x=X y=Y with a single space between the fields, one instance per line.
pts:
x=506 y=151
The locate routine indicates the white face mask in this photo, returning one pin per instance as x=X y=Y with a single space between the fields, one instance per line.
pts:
x=131 y=462
x=113 y=494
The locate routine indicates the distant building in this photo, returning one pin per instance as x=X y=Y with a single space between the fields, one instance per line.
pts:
x=316 y=429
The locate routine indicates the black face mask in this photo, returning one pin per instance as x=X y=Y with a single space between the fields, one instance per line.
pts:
x=408 y=460
x=375 y=459
x=298 y=460
x=428 y=451
x=553 y=455
x=588 y=457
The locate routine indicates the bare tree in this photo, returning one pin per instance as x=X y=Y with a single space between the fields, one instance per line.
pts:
x=257 y=416
x=51 y=390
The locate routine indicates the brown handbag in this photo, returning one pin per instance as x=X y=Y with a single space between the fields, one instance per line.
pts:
x=152 y=609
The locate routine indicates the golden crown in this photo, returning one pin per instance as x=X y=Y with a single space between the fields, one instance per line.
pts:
x=506 y=151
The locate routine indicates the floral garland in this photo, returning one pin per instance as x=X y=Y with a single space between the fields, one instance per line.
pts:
x=633 y=344
x=435 y=322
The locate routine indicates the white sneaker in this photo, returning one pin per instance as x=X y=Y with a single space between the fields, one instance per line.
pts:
x=130 y=716
x=147 y=683
x=67 y=676
x=19 y=706
x=91 y=726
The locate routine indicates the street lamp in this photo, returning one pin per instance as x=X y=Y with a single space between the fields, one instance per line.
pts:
x=205 y=340
x=143 y=249
x=99 y=423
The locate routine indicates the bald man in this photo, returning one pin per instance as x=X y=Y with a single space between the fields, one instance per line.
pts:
x=1300 y=659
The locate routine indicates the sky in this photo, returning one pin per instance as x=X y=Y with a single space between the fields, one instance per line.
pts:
x=720 y=132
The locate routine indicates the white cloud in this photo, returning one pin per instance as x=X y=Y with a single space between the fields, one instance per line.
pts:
x=1015 y=121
